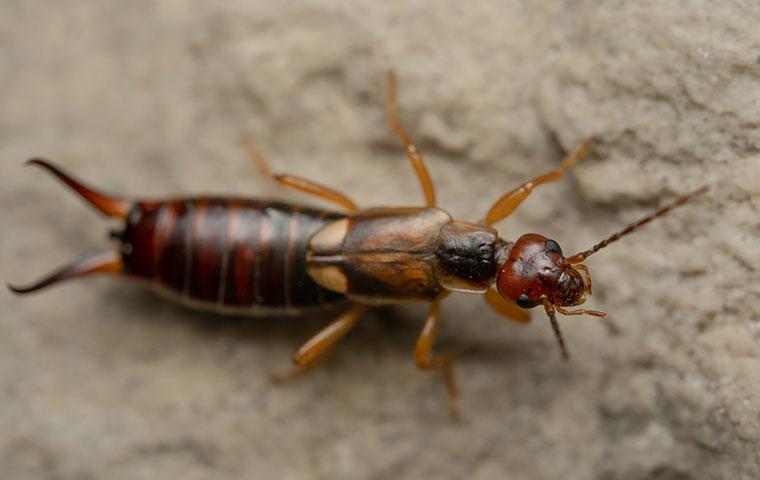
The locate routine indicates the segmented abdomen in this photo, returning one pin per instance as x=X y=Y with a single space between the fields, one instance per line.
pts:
x=233 y=254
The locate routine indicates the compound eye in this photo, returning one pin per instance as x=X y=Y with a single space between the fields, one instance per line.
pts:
x=524 y=302
x=553 y=247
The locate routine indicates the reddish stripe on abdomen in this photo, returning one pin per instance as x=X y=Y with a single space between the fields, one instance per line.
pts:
x=243 y=256
x=274 y=241
x=166 y=218
x=174 y=265
x=208 y=242
x=151 y=232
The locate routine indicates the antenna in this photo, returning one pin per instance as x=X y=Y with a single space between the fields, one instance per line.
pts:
x=579 y=257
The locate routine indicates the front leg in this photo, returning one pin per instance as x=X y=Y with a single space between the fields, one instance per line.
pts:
x=509 y=202
x=424 y=358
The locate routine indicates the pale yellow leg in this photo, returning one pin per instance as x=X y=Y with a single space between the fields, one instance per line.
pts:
x=298 y=183
x=424 y=358
x=328 y=336
x=414 y=156
x=314 y=348
x=297 y=371
x=507 y=204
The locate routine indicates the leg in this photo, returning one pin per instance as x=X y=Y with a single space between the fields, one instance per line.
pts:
x=311 y=351
x=296 y=371
x=511 y=200
x=412 y=153
x=313 y=188
x=298 y=183
x=506 y=308
x=424 y=358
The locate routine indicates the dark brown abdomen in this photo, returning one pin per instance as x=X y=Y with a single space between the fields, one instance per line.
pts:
x=232 y=254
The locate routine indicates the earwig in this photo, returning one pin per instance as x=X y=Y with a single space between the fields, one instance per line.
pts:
x=260 y=257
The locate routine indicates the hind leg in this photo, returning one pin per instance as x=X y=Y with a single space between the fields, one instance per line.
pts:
x=298 y=183
x=314 y=350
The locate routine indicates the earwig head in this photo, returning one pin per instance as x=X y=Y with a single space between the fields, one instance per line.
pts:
x=536 y=273
x=536 y=270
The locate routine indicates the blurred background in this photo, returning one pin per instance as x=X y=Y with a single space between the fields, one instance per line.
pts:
x=101 y=379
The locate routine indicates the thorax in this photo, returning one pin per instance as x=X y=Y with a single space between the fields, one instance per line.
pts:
x=395 y=255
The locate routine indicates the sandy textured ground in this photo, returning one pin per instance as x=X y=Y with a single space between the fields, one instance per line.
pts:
x=100 y=379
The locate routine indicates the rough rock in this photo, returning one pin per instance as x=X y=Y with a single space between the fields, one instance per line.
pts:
x=100 y=379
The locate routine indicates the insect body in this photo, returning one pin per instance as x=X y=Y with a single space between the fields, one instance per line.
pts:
x=262 y=257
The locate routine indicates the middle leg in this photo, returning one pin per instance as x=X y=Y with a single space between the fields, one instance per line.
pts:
x=414 y=155
x=424 y=358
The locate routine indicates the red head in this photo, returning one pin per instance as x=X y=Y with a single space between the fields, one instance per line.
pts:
x=536 y=271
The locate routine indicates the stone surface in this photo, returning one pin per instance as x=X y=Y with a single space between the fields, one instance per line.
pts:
x=100 y=379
